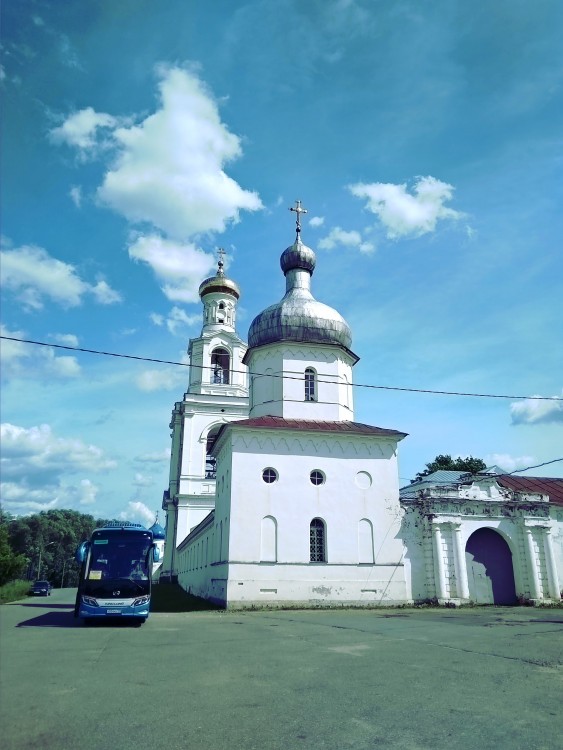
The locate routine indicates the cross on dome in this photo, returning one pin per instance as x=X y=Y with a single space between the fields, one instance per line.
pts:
x=298 y=210
x=221 y=263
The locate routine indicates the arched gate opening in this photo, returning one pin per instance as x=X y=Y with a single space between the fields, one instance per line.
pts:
x=490 y=572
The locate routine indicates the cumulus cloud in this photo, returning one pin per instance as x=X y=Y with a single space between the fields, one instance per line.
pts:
x=155 y=457
x=25 y=360
x=66 y=339
x=179 y=267
x=531 y=411
x=39 y=470
x=169 y=170
x=34 y=275
x=317 y=221
x=75 y=194
x=339 y=237
x=509 y=463
x=36 y=452
x=83 y=130
x=165 y=379
x=138 y=511
x=176 y=320
x=141 y=480
x=404 y=213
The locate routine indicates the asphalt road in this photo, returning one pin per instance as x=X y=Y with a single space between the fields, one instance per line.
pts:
x=477 y=678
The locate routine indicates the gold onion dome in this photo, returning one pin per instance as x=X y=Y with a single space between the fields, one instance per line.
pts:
x=219 y=284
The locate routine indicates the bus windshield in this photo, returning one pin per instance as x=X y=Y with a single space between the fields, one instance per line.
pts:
x=118 y=559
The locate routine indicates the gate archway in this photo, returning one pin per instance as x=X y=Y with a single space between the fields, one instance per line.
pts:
x=490 y=571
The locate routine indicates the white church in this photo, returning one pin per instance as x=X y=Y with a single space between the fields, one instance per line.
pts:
x=278 y=497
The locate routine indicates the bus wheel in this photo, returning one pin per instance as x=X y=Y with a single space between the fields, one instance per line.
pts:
x=139 y=621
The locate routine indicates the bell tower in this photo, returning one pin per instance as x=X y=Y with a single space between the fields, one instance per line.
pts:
x=217 y=393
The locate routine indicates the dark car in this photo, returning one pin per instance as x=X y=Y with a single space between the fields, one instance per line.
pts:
x=41 y=588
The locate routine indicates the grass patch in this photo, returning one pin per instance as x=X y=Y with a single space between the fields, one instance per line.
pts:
x=11 y=592
x=169 y=597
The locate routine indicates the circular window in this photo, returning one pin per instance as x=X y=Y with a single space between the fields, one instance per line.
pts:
x=269 y=475
x=363 y=480
x=317 y=477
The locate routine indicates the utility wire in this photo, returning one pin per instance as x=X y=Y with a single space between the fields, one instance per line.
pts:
x=537 y=466
x=273 y=375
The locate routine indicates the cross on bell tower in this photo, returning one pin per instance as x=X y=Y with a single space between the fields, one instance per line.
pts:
x=298 y=210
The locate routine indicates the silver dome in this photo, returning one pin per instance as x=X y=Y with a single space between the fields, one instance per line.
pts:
x=298 y=316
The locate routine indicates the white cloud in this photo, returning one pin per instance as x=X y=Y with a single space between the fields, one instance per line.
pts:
x=169 y=170
x=141 y=480
x=34 y=275
x=156 y=457
x=339 y=237
x=104 y=294
x=176 y=320
x=509 y=463
x=531 y=411
x=35 y=452
x=138 y=511
x=403 y=213
x=165 y=379
x=66 y=339
x=81 y=129
x=38 y=469
x=75 y=194
x=29 y=361
x=317 y=221
x=179 y=267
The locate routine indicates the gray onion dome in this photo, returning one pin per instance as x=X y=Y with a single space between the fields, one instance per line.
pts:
x=298 y=316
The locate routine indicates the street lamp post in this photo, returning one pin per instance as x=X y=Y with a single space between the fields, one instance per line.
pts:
x=70 y=559
x=39 y=562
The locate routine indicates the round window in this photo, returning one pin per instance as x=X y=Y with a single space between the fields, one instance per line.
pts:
x=317 y=477
x=269 y=475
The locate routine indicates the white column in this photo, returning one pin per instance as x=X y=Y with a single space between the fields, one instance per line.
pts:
x=439 y=573
x=532 y=565
x=551 y=568
x=460 y=564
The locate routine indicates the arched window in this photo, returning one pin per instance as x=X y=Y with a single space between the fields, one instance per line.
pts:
x=317 y=541
x=221 y=313
x=210 y=461
x=268 y=540
x=310 y=384
x=220 y=366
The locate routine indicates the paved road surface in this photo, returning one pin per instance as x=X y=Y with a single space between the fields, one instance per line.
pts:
x=411 y=679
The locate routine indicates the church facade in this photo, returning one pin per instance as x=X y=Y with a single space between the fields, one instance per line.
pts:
x=278 y=497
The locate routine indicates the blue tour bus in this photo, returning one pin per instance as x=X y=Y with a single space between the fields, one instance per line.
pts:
x=115 y=574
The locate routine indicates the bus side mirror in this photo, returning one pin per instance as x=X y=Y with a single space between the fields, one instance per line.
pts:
x=81 y=552
x=155 y=553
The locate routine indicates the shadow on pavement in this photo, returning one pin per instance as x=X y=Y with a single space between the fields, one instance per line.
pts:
x=50 y=620
x=42 y=606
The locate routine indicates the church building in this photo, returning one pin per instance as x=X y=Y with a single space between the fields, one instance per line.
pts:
x=278 y=497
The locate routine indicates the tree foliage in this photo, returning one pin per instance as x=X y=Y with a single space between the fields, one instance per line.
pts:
x=47 y=542
x=470 y=465
x=12 y=565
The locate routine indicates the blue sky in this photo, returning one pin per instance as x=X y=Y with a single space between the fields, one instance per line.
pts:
x=425 y=140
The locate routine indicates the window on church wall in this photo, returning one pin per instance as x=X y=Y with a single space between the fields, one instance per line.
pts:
x=268 y=540
x=317 y=477
x=221 y=313
x=317 y=541
x=269 y=475
x=365 y=542
x=220 y=366
x=310 y=384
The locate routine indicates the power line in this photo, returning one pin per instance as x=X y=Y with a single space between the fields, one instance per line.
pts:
x=273 y=375
x=537 y=466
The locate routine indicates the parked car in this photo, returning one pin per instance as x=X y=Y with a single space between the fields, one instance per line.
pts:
x=41 y=588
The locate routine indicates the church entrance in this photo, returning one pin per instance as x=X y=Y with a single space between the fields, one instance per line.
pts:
x=489 y=568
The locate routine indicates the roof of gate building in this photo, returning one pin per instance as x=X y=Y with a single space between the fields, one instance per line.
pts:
x=551 y=486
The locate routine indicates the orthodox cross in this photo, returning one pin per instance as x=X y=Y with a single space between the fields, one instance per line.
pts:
x=298 y=210
x=221 y=254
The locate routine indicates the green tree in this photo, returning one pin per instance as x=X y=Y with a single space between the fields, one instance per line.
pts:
x=12 y=565
x=470 y=465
